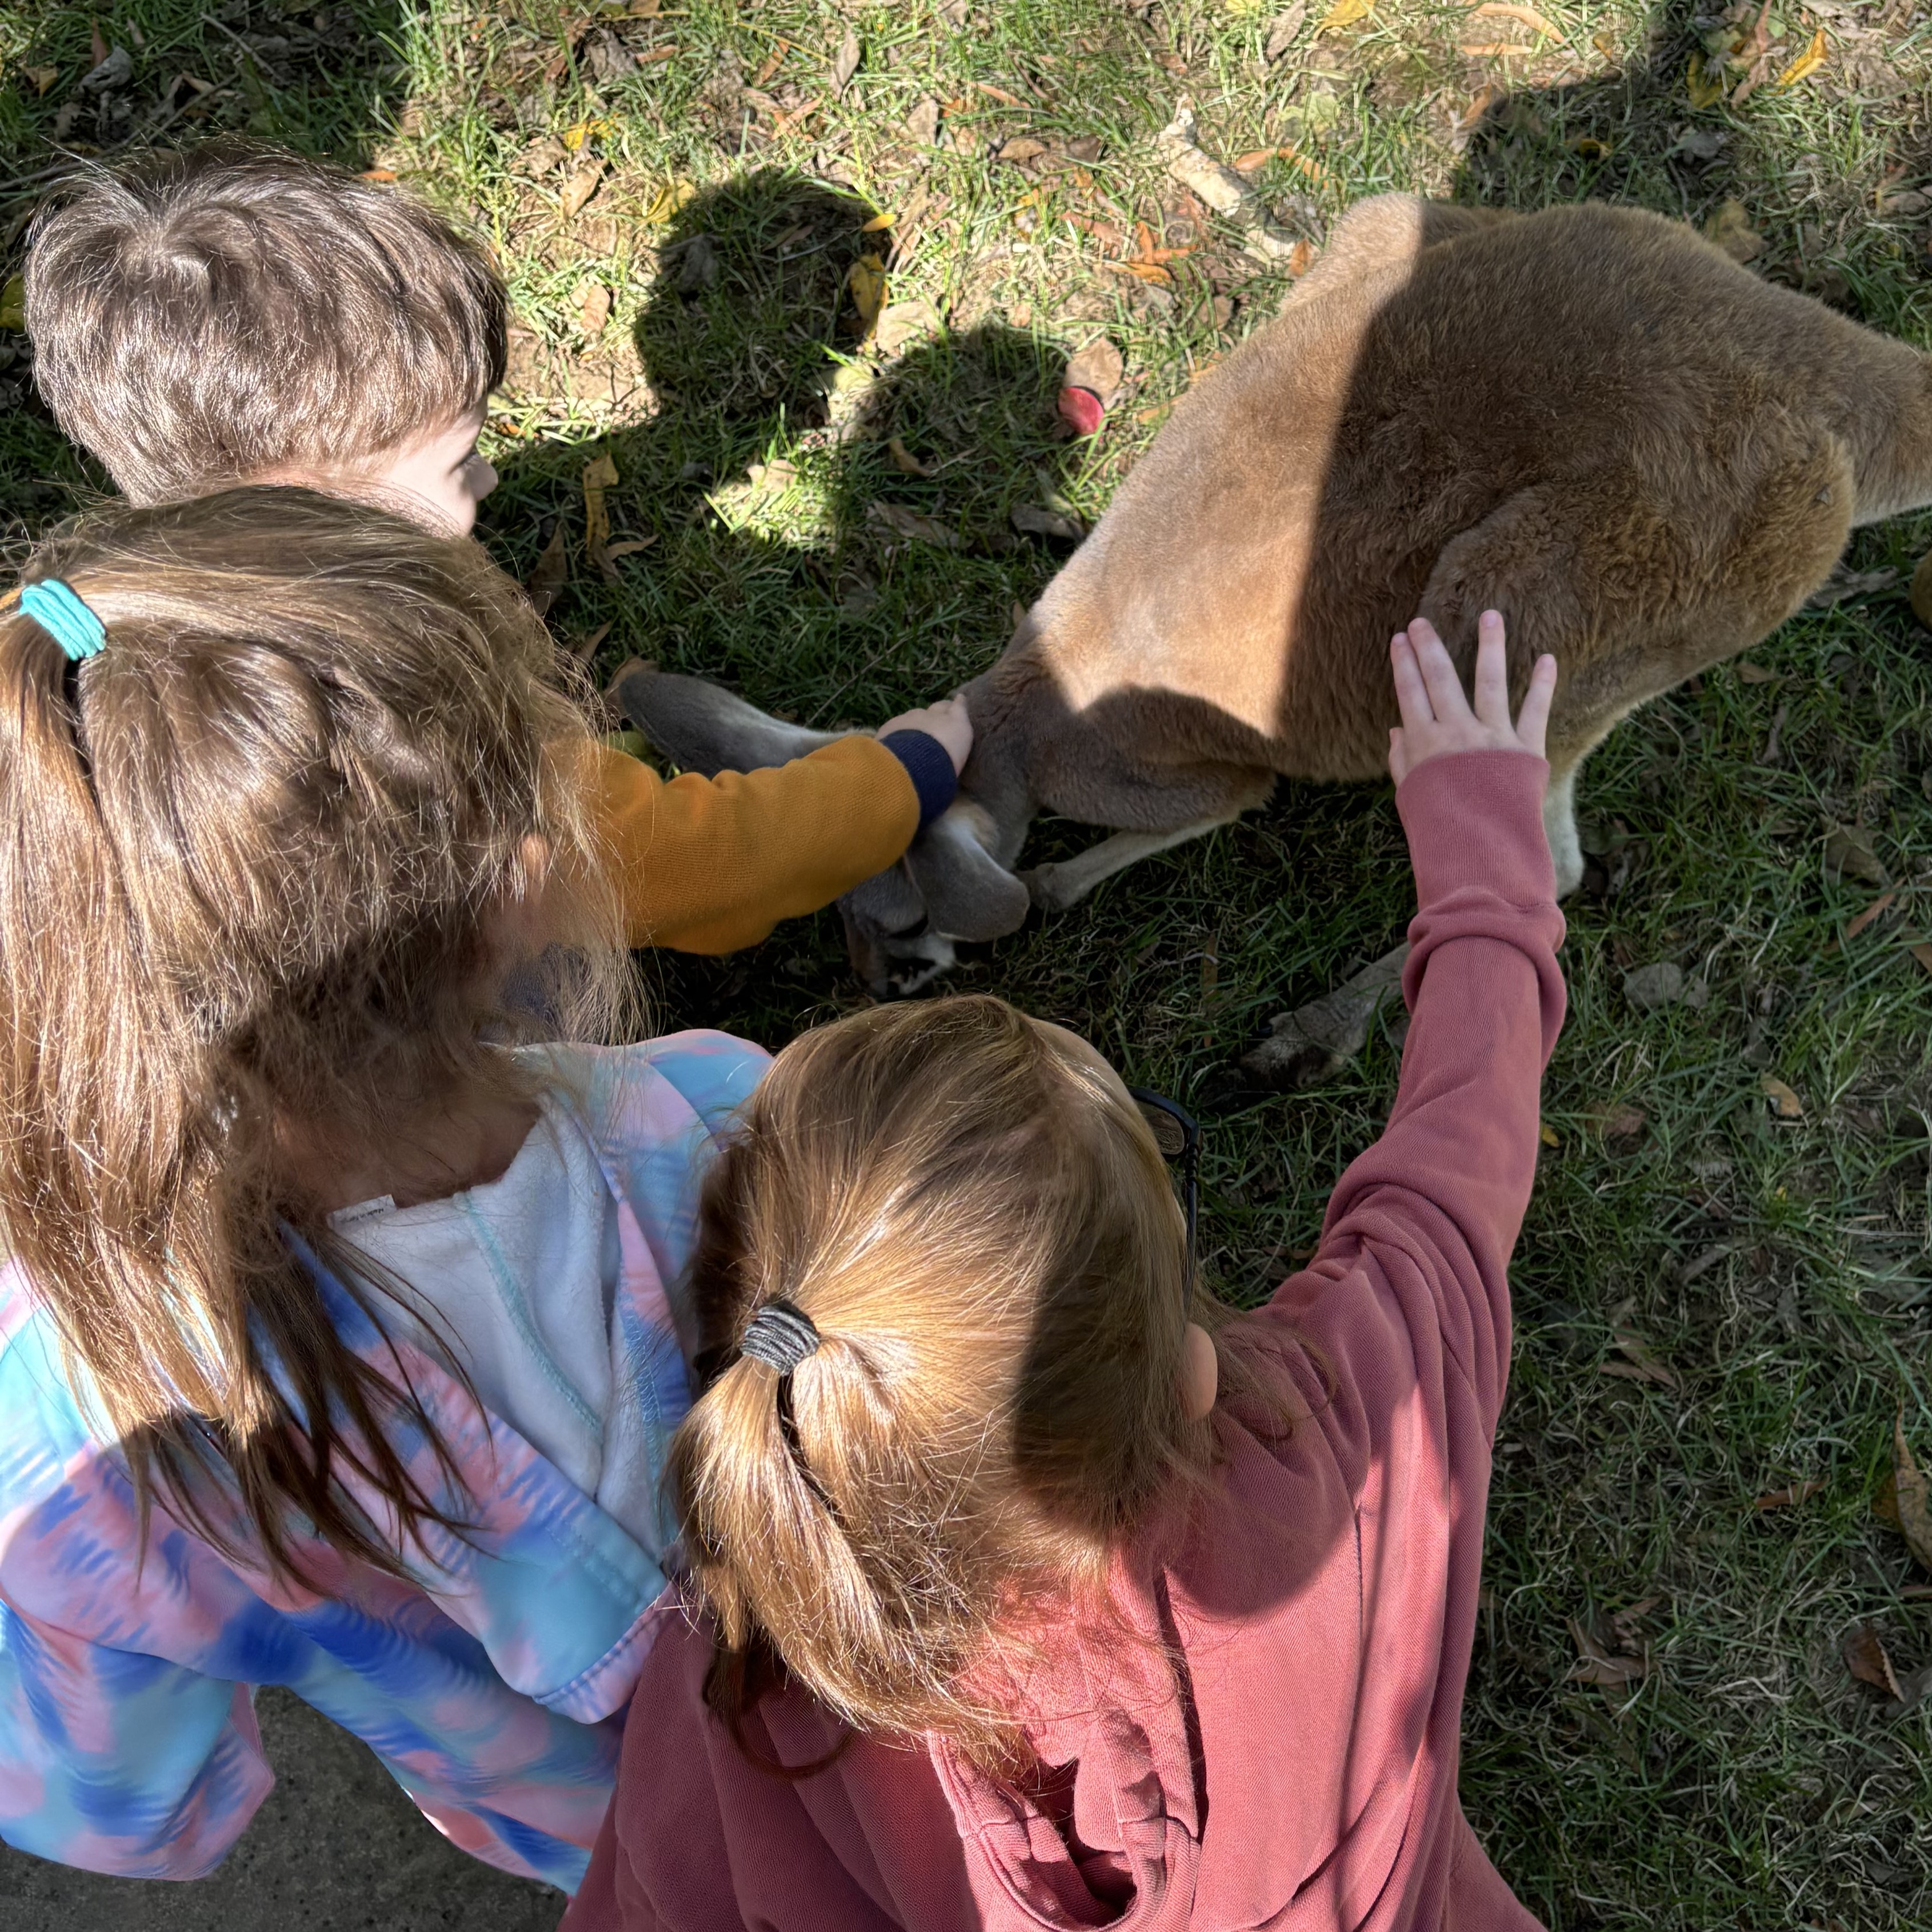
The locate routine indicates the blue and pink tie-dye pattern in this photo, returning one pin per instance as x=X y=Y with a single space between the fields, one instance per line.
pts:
x=487 y=1685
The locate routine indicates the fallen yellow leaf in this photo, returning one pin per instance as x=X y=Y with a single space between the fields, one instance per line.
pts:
x=1344 y=14
x=574 y=138
x=879 y=223
x=1809 y=61
x=668 y=199
x=1705 y=88
x=600 y=474
x=1548 y=1135
x=866 y=279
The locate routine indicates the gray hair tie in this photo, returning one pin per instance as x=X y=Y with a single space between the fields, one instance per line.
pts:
x=780 y=1336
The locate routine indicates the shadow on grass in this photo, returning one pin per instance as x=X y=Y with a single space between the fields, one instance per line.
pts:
x=765 y=482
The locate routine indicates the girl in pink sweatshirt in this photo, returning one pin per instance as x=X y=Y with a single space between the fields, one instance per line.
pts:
x=1029 y=1589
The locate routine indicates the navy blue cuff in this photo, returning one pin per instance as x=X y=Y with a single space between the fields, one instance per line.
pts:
x=929 y=766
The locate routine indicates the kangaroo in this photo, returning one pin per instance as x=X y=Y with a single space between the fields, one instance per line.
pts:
x=1590 y=418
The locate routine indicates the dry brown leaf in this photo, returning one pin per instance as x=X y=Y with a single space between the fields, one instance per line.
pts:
x=1622 y=1123
x=1922 y=952
x=1788 y=1498
x=592 y=300
x=1595 y=1665
x=1784 y=1103
x=904 y=460
x=1282 y=30
x=845 y=62
x=1098 y=367
x=43 y=77
x=579 y=185
x=1505 y=10
x=1020 y=148
x=1879 y=907
x=902 y=321
x=1921 y=591
x=545 y=582
x=629 y=546
x=1915 y=1504
x=1730 y=228
x=600 y=475
x=1495 y=50
x=585 y=648
x=922 y=123
x=1850 y=853
x=1485 y=97
x=1344 y=14
x=866 y=279
x=1866 y=1658
x=1755 y=674
x=1642 y=1364
x=1221 y=188
x=909 y=522
x=1034 y=520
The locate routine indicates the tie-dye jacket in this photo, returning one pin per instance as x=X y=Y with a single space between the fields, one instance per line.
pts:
x=488 y=1686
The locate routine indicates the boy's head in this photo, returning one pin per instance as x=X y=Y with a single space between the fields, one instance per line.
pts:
x=234 y=313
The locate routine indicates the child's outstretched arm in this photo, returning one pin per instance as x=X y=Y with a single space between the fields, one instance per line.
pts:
x=708 y=865
x=1434 y=1207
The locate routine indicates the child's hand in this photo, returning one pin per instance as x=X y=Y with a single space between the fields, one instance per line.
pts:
x=1435 y=716
x=949 y=720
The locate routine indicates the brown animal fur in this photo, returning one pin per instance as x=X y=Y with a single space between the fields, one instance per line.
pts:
x=1646 y=457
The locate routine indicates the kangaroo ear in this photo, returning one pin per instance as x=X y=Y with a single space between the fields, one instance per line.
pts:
x=702 y=727
x=967 y=895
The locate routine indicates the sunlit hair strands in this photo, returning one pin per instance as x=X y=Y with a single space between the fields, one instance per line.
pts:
x=262 y=851
x=975 y=1220
x=233 y=310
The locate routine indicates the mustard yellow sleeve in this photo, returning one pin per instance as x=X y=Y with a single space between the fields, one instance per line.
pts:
x=709 y=865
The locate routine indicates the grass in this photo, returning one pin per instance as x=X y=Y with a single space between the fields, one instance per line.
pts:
x=1777 y=1269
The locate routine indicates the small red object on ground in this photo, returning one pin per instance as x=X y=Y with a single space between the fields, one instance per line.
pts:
x=1082 y=411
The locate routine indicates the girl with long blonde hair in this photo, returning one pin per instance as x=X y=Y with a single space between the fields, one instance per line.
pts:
x=1027 y=1590
x=339 y=1345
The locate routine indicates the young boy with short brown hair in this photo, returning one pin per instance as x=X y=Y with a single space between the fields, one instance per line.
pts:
x=234 y=314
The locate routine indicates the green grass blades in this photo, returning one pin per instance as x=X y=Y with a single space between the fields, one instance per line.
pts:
x=1716 y=1305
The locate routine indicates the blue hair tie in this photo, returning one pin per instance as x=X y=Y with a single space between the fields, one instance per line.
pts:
x=54 y=607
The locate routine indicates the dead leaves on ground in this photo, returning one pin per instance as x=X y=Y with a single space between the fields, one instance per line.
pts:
x=910 y=524
x=1868 y=1659
x=1730 y=228
x=1905 y=1501
x=545 y=582
x=1613 y=1670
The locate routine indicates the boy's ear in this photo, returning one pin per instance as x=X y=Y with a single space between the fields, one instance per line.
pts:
x=702 y=727
x=968 y=895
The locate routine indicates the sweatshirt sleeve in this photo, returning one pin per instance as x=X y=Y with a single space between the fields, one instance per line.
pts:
x=1431 y=1213
x=709 y=865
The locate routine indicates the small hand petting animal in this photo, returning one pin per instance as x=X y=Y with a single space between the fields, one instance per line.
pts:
x=949 y=721
x=1436 y=718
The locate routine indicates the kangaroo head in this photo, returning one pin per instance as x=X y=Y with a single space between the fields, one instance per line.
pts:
x=902 y=924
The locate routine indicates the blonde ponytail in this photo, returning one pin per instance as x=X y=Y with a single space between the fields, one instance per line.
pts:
x=974 y=1219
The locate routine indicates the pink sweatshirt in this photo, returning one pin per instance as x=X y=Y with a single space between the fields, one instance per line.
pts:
x=1281 y=1750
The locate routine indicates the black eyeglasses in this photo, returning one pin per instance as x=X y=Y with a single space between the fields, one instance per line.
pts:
x=1177 y=1134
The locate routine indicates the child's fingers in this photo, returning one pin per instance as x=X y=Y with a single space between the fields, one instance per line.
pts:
x=1492 y=671
x=1438 y=673
x=1411 y=694
x=1533 y=720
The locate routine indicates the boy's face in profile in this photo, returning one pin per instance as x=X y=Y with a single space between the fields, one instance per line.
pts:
x=441 y=471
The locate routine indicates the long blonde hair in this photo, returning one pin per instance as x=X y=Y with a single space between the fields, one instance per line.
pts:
x=259 y=849
x=978 y=1222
